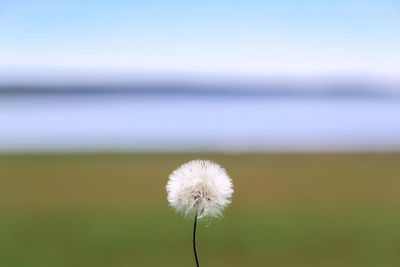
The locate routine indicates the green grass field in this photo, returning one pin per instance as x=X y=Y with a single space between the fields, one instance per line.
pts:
x=288 y=210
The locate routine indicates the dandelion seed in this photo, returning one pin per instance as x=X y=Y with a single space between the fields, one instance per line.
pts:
x=202 y=186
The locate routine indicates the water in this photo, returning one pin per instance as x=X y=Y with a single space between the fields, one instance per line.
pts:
x=131 y=122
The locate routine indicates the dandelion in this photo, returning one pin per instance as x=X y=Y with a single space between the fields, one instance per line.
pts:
x=202 y=186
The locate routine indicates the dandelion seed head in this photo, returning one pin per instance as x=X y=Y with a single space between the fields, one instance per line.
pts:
x=202 y=185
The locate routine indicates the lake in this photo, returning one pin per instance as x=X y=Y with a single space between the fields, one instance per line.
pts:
x=190 y=122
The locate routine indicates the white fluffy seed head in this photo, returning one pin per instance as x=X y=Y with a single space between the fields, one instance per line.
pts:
x=202 y=185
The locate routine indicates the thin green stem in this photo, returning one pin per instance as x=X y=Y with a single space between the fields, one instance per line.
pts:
x=194 y=241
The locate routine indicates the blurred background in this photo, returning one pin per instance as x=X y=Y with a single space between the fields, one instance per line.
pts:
x=101 y=100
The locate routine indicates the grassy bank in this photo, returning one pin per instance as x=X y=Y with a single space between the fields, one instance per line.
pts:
x=288 y=210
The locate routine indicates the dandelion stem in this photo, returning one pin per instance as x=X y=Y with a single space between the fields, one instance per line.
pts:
x=194 y=240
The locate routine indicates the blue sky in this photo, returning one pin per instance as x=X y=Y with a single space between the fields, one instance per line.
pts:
x=261 y=37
